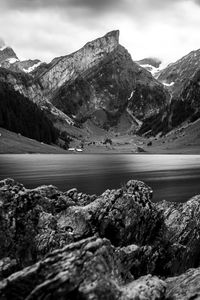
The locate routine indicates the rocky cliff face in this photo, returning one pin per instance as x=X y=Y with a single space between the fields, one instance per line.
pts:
x=69 y=67
x=177 y=74
x=181 y=79
x=99 y=82
x=7 y=55
x=102 y=83
x=113 y=246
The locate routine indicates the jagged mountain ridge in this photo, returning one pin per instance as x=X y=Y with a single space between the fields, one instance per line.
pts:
x=102 y=80
x=99 y=81
x=177 y=74
x=7 y=54
x=182 y=80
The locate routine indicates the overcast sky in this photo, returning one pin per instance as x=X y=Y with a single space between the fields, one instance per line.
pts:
x=44 y=29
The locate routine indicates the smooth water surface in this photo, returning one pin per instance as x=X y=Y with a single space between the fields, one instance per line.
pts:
x=172 y=177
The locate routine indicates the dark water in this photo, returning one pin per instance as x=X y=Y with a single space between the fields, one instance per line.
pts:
x=172 y=177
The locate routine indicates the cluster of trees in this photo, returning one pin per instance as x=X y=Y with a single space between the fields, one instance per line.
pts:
x=20 y=115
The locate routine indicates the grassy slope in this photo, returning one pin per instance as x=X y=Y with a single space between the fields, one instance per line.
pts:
x=183 y=140
x=11 y=142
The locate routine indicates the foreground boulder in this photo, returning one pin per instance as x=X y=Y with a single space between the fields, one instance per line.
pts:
x=69 y=245
x=36 y=222
x=88 y=269
x=182 y=221
x=185 y=286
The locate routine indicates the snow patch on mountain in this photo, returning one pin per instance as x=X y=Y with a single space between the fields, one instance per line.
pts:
x=12 y=60
x=168 y=84
x=30 y=69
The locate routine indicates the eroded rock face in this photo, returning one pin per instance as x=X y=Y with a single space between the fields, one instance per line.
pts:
x=87 y=269
x=34 y=222
x=6 y=54
x=70 y=67
x=183 y=224
x=110 y=89
x=99 y=82
x=185 y=286
x=113 y=246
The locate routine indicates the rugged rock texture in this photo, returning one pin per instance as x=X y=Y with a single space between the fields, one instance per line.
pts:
x=103 y=84
x=99 y=83
x=7 y=54
x=185 y=286
x=34 y=222
x=183 y=223
x=111 y=246
x=69 y=67
x=84 y=270
x=181 y=79
x=23 y=83
x=178 y=73
x=26 y=66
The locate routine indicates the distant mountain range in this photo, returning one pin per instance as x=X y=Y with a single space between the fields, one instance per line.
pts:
x=101 y=87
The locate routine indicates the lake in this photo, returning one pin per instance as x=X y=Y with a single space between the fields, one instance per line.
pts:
x=172 y=177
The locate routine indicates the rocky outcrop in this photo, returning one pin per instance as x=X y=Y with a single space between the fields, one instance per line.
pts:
x=69 y=67
x=88 y=269
x=113 y=246
x=34 y=222
x=181 y=79
x=7 y=54
x=99 y=83
x=109 y=90
x=177 y=74
x=185 y=286
x=23 y=83
x=183 y=223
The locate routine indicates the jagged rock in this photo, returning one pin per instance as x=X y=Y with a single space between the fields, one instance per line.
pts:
x=87 y=269
x=35 y=222
x=161 y=259
x=7 y=54
x=124 y=216
x=28 y=224
x=183 y=224
x=185 y=286
x=107 y=87
x=7 y=267
x=104 y=245
x=99 y=84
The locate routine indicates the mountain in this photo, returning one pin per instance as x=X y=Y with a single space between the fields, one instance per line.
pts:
x=21 y=115
x=182 y=80
x=98 y=84
x=177 y=74
x=7 y=54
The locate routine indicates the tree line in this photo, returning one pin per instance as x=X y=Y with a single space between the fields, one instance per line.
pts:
x=20 y=115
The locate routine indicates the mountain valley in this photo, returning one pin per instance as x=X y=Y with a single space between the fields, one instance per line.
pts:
x=100 y=100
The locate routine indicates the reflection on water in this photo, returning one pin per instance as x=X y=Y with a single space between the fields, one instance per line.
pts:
x=172 y=177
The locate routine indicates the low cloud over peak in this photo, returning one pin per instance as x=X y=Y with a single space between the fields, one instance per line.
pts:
x=47 y=28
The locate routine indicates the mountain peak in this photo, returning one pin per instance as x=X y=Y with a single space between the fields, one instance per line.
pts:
x=7 y=54
x=113 y=34
x=109 y=41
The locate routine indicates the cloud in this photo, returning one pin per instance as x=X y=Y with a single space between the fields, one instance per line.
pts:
x=92 y=5
x=45 y=29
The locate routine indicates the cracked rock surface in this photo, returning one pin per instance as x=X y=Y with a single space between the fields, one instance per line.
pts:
x=118 y=245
